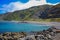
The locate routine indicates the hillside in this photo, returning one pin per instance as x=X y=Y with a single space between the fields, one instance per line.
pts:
x=43 y=12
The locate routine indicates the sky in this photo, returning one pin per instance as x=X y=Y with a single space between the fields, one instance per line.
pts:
x=13 y=5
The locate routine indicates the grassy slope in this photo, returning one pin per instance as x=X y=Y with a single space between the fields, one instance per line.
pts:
x=32 y=14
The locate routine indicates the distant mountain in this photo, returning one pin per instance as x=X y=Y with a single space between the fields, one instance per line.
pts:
x=37 y=12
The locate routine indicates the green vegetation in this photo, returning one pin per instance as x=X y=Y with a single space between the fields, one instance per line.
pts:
x=43 y=13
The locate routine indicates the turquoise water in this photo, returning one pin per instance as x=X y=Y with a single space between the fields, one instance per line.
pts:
x=21 y=27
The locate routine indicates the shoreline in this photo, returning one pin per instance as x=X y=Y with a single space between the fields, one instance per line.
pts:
x=54 y=24
x=51 y=32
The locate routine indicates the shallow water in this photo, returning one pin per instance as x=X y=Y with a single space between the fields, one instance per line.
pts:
x=21 y=27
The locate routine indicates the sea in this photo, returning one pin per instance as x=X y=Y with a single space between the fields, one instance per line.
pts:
x=21 y=27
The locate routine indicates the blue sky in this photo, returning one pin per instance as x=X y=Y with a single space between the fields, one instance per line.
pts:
x=13 y=5
x=9 y=1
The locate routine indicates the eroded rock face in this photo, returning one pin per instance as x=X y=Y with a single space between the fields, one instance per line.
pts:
x=55 y=11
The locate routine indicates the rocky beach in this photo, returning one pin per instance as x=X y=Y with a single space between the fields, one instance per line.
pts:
x=50 y=34
x=53 y=33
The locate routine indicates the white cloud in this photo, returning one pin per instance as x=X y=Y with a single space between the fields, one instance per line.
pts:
x=13 y=6
x=52 y=3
